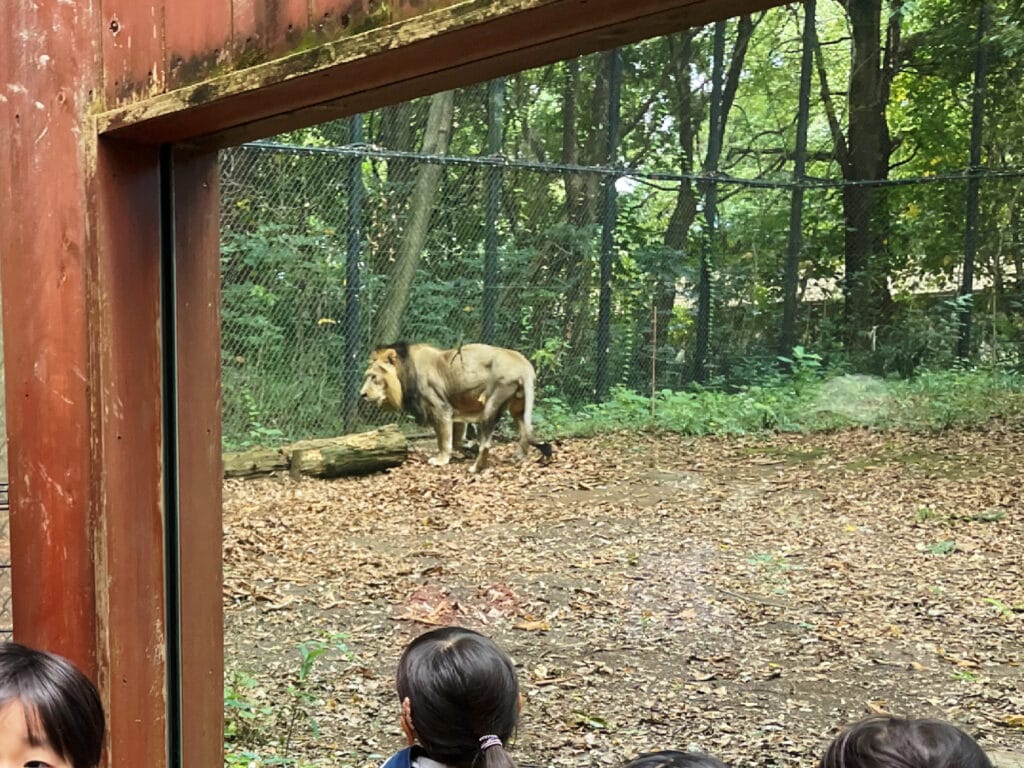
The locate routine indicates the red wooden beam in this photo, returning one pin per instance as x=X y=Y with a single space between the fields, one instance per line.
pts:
x=465 y=43
x=197 y=34
x=131 y=36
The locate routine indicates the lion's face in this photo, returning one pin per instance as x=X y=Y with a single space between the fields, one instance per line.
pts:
x=381 y=385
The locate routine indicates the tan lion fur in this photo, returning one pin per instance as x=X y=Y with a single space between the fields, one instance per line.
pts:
x=448 y=388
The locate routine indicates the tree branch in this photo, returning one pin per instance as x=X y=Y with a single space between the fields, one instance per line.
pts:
x=842 y=154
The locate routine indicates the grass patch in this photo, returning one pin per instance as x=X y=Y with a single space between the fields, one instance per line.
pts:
x=931 y=401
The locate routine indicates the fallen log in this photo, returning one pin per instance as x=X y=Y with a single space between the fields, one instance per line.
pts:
x=355 y=454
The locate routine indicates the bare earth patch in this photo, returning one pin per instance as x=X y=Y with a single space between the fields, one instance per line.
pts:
x=742 y=596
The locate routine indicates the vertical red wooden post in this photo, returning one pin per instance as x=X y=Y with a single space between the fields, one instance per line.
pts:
x=197 y=239
x=128 y=451
x=49 y=69
x=81 y=266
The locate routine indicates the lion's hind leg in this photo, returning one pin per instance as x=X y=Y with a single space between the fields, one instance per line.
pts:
x=493 y=407
x=516 y=409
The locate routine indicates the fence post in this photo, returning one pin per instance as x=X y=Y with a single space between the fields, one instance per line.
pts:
x=791 y=272
x=609 y=215
x=963 y=346
x=495 y=141
x=354 y=252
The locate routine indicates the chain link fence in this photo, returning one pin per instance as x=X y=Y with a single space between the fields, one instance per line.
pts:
x=606 y=275
x=289 y=330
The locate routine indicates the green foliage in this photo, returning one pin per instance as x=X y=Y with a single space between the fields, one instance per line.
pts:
x=282 y=295
x=696 y=412
x=943 y=547
x=287 y=224
x=964 y=675
x=252 y=723
x=923 y=333
x=245 y=717
x=931 y=401
x=804 y=367
x=943 y=399
x=1004 y=611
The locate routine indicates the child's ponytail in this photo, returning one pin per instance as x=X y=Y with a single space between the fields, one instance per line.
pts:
x=494 y=753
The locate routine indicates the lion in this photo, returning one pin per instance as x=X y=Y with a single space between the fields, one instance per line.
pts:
x=449 y=388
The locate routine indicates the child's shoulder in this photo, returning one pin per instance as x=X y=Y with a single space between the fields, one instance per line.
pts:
x=411 y=757
x=402 y=759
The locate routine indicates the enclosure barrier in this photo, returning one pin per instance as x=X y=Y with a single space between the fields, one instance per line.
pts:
x=288 y=317
x=683 y=212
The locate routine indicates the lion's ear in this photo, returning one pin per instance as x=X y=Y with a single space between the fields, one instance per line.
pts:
x=391 y=356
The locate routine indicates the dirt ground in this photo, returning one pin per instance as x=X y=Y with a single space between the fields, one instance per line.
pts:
x=743 y=596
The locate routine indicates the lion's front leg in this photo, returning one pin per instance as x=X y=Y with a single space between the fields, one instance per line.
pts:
x=443 y=430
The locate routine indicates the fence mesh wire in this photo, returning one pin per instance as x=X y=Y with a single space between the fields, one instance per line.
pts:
x=342 y=238
x=288 y=230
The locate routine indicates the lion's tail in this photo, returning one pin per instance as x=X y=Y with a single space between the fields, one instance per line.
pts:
x=528 y=394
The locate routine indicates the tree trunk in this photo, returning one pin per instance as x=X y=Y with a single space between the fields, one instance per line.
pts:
x=570 y=260
x=495 y=140
x=354 y=228
x=575 y=192
x=868 y=150
x=609 y=220
x=395 y=127
x=328 y=457
x=388 y=326
x=723 y=93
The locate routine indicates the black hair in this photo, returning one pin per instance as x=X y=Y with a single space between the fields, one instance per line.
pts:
x=400 y=347
x=62 y=707
x=671 y=758
x=461 y=688
x=897 y=742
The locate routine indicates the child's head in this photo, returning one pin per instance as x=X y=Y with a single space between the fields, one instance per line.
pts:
x=49 y=711
x=896 y=742
x=459 y=696
x=671 y=758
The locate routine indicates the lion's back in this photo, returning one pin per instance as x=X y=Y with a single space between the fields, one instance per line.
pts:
x=477 y=364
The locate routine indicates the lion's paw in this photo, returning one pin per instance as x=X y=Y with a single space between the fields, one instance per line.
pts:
x=438 y=461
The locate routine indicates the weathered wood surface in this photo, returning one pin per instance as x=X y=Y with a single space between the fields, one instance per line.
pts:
x=352 y=58
x=45 y=54
x=328 y=457
x=200 y=500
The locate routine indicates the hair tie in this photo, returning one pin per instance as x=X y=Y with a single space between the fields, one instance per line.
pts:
x=486 y=742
